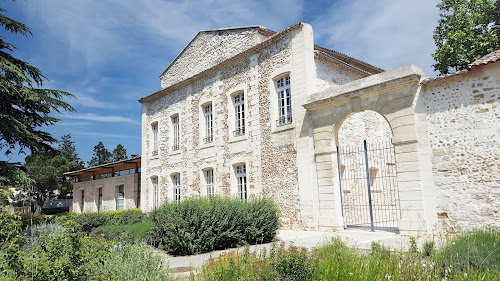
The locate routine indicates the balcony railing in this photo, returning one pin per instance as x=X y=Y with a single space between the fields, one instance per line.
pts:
x=208 y=139
x=284 y=120
x=239 y=132
x=155 y=153
x=175 y=147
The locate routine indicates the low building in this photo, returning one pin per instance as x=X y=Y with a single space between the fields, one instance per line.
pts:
x=108 y=187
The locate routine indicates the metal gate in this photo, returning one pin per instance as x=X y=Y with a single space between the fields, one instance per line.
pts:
x=368 y=185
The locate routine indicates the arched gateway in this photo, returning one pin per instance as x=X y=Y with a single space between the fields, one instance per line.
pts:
x=367 y=172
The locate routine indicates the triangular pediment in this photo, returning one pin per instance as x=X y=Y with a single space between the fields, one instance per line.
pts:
x=210 y=47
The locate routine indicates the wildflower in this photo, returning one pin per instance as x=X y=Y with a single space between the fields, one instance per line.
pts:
x=350 y=273
x=388 y=277
x=465 y=274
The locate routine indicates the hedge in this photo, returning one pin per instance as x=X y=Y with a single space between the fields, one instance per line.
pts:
x=202 y=225
x=134 y=233
x=89 y=221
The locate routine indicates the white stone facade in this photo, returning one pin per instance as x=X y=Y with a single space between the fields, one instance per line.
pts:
x=335 y=99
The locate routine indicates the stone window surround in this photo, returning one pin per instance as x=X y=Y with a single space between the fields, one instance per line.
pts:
x=176 y=188
x=155 y=151
x=81 y=202
x=205 y=182
x=231 y=113
x=117 y=186
x=98 y=188
x=202 y=129
x=155 y=191
x=171 y=134
x=274 y=108
x=233 y=179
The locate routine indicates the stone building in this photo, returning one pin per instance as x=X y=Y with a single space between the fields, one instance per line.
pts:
x=107 y=187
x=335 y=141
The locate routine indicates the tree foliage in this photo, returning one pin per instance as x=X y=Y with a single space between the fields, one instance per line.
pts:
x=68 y=150
x=25 y=106
x=467 y=30
x=46 y=168
x=119 y=153
x=101 y=155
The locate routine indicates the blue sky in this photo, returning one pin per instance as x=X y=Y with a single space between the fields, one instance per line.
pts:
x=110 y=53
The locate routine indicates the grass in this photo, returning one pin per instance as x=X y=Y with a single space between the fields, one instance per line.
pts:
x=135 y=233
x=471 y=256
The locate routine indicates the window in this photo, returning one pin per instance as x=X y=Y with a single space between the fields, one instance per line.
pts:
x=154 y=128
x=175 y=126
x=239 y=114
x=82 y=202
x=154 y=181
x=209 y=128
x=99 y=199
x=176 y=182
x=209 y=180
x=241 y=180
x=120 y=202
x=284 y=101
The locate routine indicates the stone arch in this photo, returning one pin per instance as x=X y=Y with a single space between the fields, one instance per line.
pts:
x=362 y=124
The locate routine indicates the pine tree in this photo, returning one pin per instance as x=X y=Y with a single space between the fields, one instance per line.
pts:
x=119 y=153
x=25 y=106
x=101 y=155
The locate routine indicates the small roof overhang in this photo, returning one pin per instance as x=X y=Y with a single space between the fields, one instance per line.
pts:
x=126 y=164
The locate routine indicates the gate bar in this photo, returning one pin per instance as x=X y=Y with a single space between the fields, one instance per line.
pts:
x=369 y=189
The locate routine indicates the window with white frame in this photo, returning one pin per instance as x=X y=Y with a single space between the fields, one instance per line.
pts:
x=284 y=101
x=176 y=132
x=176 y=182
x=154 y=182
x=120 y=200
x=209 y=126
x=209 y=180
x=241 y=181
x=239 y=114
x=154 y=128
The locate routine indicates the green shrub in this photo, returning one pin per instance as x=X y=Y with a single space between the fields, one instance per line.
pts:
x=10 y=225
x=479 y=249
x=32 y=233
x=134 y=233
x=201 y=225
x=428 y=248
x=380 y=251
x=32 y=219
x=134 y=262
x=89 y=221
x=293 y=263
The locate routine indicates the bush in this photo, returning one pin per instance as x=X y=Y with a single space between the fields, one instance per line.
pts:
x=479 y=249
x=134 y=233
x=32 y=219
x=32 y=233
x=380 y=251
x=292 y=264
x=202 y=225
x=134 y=262
x=10 y=225
x=89 y=221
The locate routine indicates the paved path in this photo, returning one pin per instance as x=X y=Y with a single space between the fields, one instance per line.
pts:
x=309 y=239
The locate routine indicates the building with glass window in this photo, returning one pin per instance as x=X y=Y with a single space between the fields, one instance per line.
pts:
x=335 y=141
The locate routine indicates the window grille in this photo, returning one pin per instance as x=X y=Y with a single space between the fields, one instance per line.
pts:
x=239 y=114
x=241 y=178
x=155 y=139
x=209 y=179
x=175 y=125
x=155 y=191
x=209 y=131
x=120 y=203
x=284 y=101
x=176 y=180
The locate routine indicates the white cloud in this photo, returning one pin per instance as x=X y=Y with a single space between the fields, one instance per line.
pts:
x=385 y=33
x=91 y=102
x=103 y=135
x=100 y=118
x=74 y=124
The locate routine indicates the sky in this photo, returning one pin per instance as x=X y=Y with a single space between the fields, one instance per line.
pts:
x=110 y=53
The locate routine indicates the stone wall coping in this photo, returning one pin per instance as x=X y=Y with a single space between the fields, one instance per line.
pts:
x=387 y=79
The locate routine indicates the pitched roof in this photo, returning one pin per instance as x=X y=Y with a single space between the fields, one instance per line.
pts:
x=488 y=59
x=273 y=36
